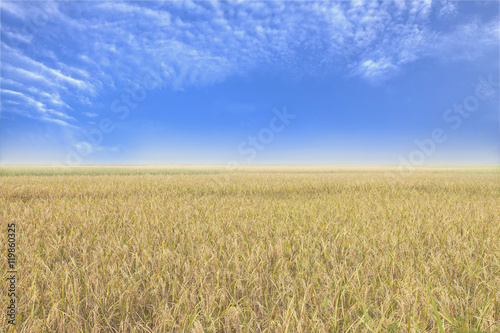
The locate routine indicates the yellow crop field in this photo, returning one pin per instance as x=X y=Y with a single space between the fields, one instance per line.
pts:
x=255 y=249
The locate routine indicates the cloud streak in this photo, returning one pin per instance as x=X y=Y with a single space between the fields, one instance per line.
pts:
x=83 y=50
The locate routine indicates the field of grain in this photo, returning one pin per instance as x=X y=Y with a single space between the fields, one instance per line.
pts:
x=256 y=249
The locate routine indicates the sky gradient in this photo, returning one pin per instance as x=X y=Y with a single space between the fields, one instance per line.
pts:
x=264 y=82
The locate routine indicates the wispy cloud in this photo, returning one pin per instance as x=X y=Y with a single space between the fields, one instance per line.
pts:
x=90 y=114
x=85 y=49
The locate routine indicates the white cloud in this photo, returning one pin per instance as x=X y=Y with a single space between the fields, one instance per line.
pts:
x=373 y=70
x=448 y=9
x=12 y=8
x=83 y=48
x=18 y=37
x=90 y=114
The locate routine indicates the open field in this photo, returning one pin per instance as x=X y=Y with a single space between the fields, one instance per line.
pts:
x=275 y=249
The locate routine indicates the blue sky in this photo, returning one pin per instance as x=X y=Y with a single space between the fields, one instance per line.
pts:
x=261 y=82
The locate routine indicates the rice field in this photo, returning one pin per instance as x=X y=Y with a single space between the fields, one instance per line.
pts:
x=255 y=249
